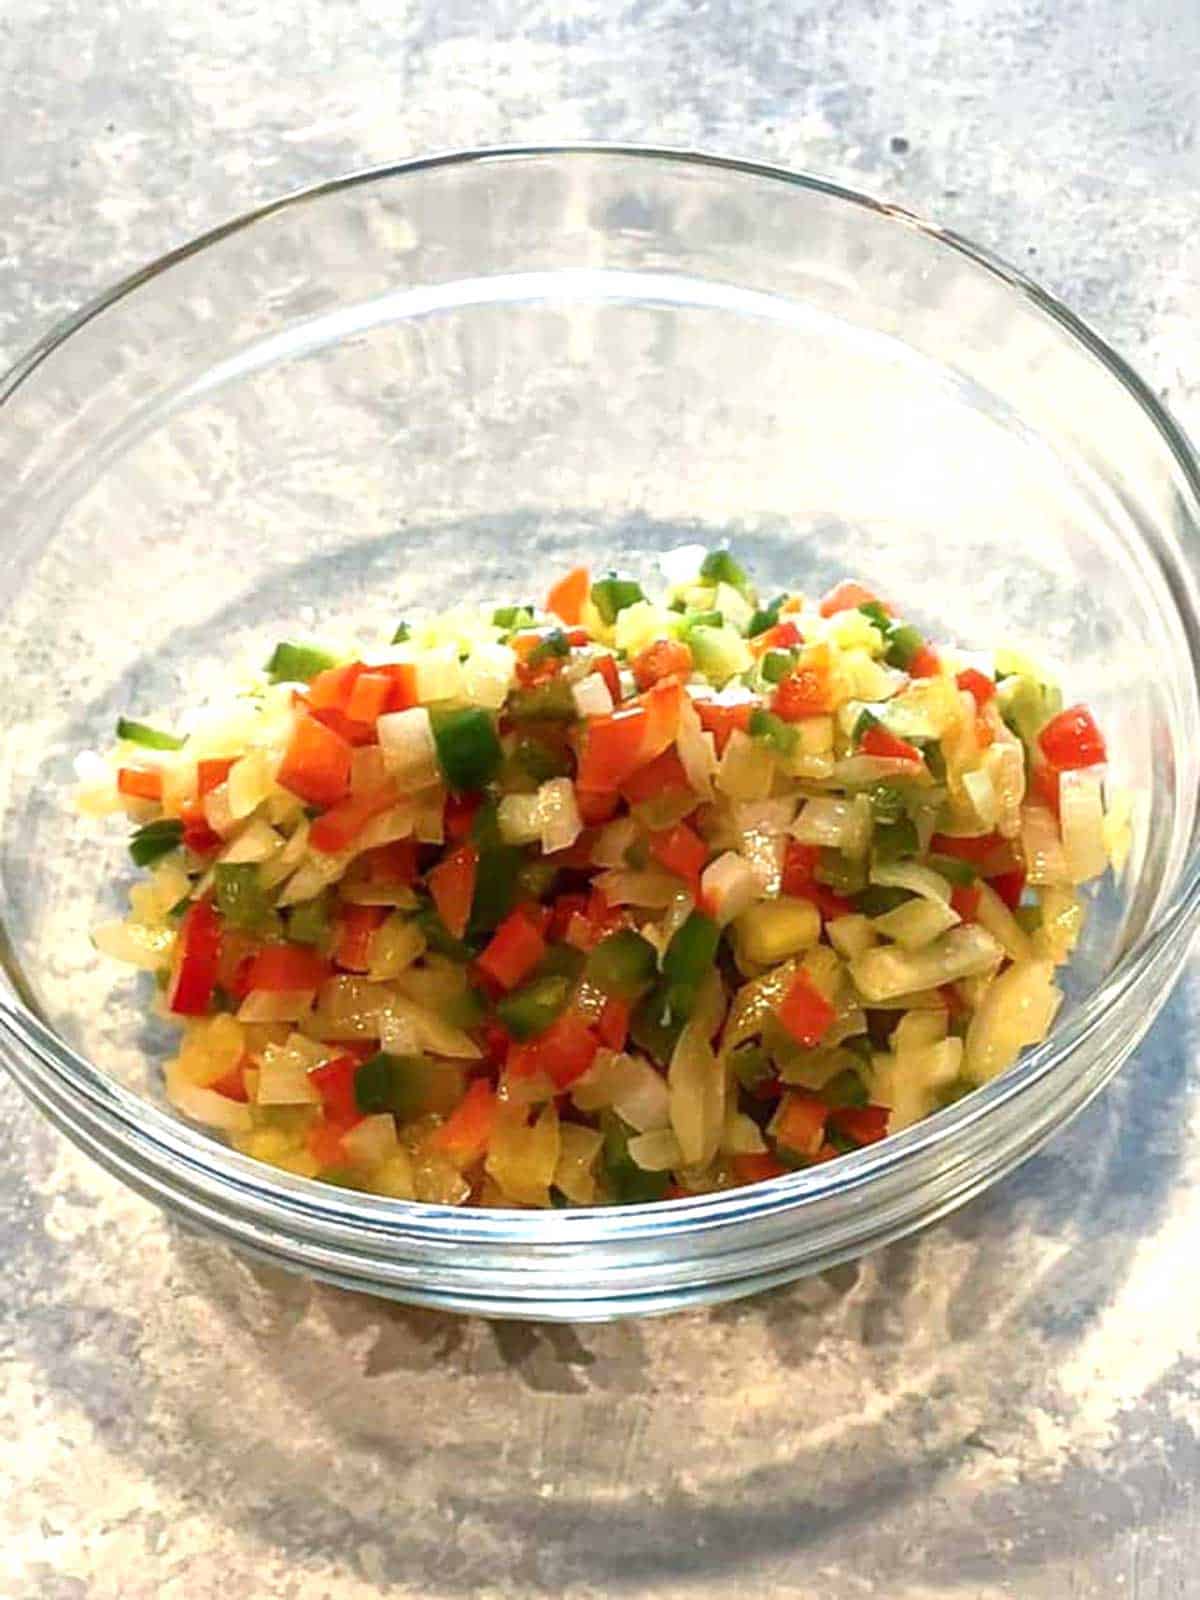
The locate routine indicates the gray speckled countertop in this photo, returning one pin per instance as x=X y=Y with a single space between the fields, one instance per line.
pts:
x=1006 y=1406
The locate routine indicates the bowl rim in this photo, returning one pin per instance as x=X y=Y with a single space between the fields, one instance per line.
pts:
x=1156 y=952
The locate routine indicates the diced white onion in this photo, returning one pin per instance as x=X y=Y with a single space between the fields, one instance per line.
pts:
x=1016 y=1011
x=835 y=824
x=256 y=842
x=559 y=816
x=206 y=1105
x=518 y=817
x=656 y=1151
x=930 y=885
x=276 y=1005
x=439 y=675
x=696 y=1087
x=284 y=1082
x=612 y=842
x=1081 y=808
x=729 y=885
x=487 y=675
x=591 y=696
x=917 y=923
x=372 y=1140
x=652 y=887
x=1041 y=845
x=887 y=970
x=999 y=921
x=697 y=750
x=982 y=795
x=747 y=768
x=250 y=781
x=134 y=942
x=409 y=751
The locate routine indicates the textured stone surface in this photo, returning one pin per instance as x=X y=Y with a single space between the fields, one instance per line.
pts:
x=1006 y=1406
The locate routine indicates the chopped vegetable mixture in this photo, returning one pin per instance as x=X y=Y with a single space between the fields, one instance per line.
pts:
x=614 y=899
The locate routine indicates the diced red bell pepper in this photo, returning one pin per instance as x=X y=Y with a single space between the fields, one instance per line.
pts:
x=316 y=767
x=325 y=1140
x=606 y=666
x=280 y=967
x=925 y=664
x=1043 y=780
x=612 y=1026
x=807 y=691
x=566 y=599
x=783 y=636
x=199 y=953
x=341 y=825
x=356 y=734
x=863 y=1124
x=578 y=637
x=756 y=1167
x=597 y=806
x=848 y=596
x=978 y=685
x=331 y=690
x=664 y=659
x=988 y=853
x=357 y=926
x=392 y=863
x=664 y=774
x=1072 y=740
x=334 y=1082
x=800 y=862
x=139 y=783
x=955 y=1005
x=681 y=851
x=513 y=951
x=964 y=898
x=212 y=773
x=1009 y=886
x=496 y=1041
x=452 y=885
x=563 y=909
x=723 y=720
x=882 y=742
x=612 y=748
x=664 y=704
x=458 y=818
x=805 y=1012
x=370 y=697
x=799 y=1124
x=530 y=671
x=233 y=1084
x=464 y=1136
x=985 y=734
x=563 y=1053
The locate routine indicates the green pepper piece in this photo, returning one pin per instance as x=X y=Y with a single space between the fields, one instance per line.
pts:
x=887 y=803
x=149 y=738
x=468 y=749
x=864 y=722
x=719 y=566
x=310 y=922
x=1028 y=918
x=839 y=873
x=545 y=702
x=293 y=662
x=180 y=907
x=530 y=1011
x=495 y=887
x=240 y=896
x=846 y=1089
x=773 y=731
x=536 y=879
x=931 y=750
x=510 y=618
x=623 y=964
x=386 y=1082
x=613 y=593
x=540 y=762
x=402 y=634
x=877 y=899
x=765 y=617
x=553 y=645
x=753 y=1067
x=688 y=958
x=876 y=615
x=776 y=664
x=701 y=619
x=653 y=1025
x=841 y=1142
x=904 y=643
x=953 y=870
x=465 y=1010
x=156 y=839
x=624 y=1179
x=561 y=961
x=892 y=841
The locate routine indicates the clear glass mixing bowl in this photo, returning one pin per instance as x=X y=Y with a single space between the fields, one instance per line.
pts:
x=449 y=379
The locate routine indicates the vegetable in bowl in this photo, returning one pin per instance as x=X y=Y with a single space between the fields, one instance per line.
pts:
x=610 y=900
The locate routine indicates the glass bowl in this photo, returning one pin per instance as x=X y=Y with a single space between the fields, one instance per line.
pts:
x=450 y=379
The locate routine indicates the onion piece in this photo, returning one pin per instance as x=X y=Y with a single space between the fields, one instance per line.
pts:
x=134 y=942
x=373 y=1140
x=999 y=921
x=924 y=881
x=1016 y=1011
x=696 y=1086
x=206 y=1105
x=256 y=842
x=652 y=887
x=697 y=750
x=656 y=1151
x=276 y=1005
x=1041 y=846
x=917 y=923
x=409 y=751
x=591 y=696
x=1081 y=812
x=887 y=971
x=836 y=825
x=728 y=886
